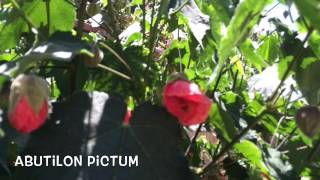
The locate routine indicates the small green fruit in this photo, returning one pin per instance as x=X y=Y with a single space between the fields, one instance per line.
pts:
x=93 y=9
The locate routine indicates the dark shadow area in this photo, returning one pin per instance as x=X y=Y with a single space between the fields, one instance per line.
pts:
x=91 y=124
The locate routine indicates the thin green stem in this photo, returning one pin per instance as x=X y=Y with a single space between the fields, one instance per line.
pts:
x=193 y=141
x=144 y=20
x=232 y=143
x=81 y=17
x=48 y=17
x=114 y=71
x=116 y=55
x=291 y=65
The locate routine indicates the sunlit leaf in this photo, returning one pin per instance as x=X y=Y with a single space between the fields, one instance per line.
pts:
x=252 y=153
x=62 y=16
x=246 y=16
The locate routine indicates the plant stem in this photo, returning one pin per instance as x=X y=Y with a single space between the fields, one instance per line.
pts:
x=48 y=17
x=233 y=142
x=116 y=55
x=154 y=32
x=291 y=65
x=198 y=129
x=73 y=68
x=287 y=138
x=143 y=20
x=114 y=71
x=180 y=7
x=81 y=17
x=314 y=151
x=193 y=141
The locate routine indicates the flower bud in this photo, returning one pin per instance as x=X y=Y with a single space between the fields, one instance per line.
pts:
x=308 y=120
x=185 y=101
x=127 y=117
x=93 y=8
x=93 y=62
x=28 y=103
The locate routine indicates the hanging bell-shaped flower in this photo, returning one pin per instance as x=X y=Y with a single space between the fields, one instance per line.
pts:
x=28 y=103
x=184 y=100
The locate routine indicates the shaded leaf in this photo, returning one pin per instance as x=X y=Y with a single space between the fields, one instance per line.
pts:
x=61 y=46
x=307 y=79
x=310 y=10
x=223 y=123
x=92 y=124
x=314 y=42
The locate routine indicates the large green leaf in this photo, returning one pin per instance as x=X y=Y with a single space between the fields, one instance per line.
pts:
x=310 y=10
x=223 y=123
x=307 y=76
x=252 y=56
x=62 y=16
x=92 y=124
x=246 y=16
x=224 y=9
x=269 y=50
x=252 y=153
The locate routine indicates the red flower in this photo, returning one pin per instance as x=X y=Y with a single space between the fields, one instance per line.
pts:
x=28 y=103
x=127 y=117
x=185 y=101
x=24 y=119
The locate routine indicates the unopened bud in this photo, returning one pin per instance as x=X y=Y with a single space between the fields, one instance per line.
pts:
x=28 y=103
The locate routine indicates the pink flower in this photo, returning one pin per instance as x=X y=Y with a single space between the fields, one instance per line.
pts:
x=127 y=117
x=185 y=101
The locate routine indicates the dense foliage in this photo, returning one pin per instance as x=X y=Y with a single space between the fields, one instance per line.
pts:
x=258 y=61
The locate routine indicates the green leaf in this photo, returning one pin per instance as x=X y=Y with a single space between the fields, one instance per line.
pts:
x=283 y=65
x=308 y=79
x=269 y=50
x=310 y=10
x=135 y=2
x=314 y=43
x=246 y=16
x=251 y=56
x=62 y=16
x=223 y=123
x=223 y=9
x=252 y=153
x=307 y=61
